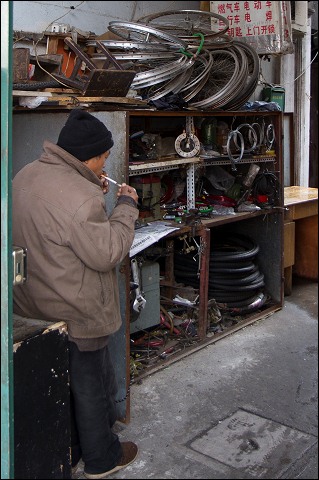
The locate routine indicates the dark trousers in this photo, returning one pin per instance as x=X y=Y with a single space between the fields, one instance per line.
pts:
x=93 y=412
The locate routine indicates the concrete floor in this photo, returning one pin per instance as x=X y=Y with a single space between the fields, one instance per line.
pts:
x=243 y=407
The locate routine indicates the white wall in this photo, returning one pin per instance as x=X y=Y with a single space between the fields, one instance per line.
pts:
x=88 y=16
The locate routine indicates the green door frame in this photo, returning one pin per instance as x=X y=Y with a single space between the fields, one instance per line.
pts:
x=7 y=442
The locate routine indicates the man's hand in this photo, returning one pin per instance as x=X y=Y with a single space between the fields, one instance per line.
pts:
x=129 y=191
x=105 y=183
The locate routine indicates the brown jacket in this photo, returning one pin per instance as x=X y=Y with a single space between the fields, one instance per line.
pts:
x=73 y=247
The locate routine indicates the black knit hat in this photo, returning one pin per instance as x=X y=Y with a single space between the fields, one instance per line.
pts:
x=84 y=136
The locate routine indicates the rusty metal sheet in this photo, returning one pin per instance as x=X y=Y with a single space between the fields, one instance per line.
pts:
x=109 y=83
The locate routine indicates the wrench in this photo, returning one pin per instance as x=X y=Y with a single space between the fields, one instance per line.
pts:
x=139 y=302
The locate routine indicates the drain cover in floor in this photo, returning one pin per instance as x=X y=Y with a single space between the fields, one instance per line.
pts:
x=254 y=444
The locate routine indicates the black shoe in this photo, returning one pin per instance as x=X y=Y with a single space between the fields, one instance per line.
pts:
x=129 y=455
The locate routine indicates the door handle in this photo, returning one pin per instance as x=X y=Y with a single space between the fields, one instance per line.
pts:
x=19 y=257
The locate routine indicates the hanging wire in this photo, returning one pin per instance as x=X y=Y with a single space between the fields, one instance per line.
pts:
x=289 y=83
x=35 y=44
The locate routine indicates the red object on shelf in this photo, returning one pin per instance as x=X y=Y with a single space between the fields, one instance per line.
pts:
x=219 y=200
x=168 y=187
x=262 y=198
x=146 y=179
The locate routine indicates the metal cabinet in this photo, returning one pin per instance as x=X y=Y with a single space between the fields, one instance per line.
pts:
x=265 y=226
x=42 y=430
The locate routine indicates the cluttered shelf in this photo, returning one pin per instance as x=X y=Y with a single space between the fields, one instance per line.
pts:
x=181 y=225
x=189 y=317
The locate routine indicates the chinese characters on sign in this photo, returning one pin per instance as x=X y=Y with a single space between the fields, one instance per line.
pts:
x=266 y=26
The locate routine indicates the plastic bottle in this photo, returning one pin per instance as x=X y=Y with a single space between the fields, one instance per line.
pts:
x=209 y=132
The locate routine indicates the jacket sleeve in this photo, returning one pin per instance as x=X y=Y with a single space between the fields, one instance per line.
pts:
x=101 y=242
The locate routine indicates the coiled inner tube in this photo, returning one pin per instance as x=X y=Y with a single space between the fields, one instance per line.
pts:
x=235 y=281
x=232 y=135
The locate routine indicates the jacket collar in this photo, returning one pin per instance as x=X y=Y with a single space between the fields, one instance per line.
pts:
x=52 y=153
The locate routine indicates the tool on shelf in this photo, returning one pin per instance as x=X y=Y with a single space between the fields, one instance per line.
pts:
x=139 y=302
x=187 y=144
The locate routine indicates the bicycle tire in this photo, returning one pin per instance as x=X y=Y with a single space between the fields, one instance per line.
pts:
x=119 y=29
x=259 y=282
x=239 y=303
x=191 y=27
x=270 y=136
x=218 y=85
x=249 y=86
x=259 y=133
x=251 y=249
x=235 y=254
x=224 y=296
x=251 y=132
x=237 y=281
x=127 y=45
x=235 y=268
x=257 y=302
x=207 y=61
x=219 y=272
x=35 y=85
x=234 y=134
x=174 y=85
x=165 y=72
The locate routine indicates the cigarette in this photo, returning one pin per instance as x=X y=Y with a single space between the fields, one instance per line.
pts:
x=110 y=180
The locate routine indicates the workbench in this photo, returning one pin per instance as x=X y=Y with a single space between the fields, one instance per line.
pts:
x=300 y=234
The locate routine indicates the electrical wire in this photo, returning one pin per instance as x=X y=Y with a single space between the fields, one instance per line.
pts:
x=267 y=183
x=289 y=83
x=35 y=45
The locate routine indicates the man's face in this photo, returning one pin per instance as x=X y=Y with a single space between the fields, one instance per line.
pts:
x=97 y=164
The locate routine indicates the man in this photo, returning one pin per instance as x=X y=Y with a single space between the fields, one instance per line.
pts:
x=73 y=248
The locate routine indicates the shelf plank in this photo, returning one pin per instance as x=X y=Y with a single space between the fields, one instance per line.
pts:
x=158 y=165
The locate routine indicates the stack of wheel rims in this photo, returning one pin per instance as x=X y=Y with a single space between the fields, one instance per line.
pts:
x=185 y=52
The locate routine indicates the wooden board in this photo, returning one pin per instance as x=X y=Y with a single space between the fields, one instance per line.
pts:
x=76 y=99
x=306 y=250
x=289 y=244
